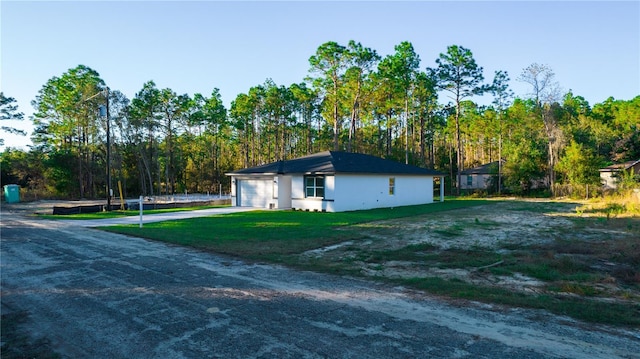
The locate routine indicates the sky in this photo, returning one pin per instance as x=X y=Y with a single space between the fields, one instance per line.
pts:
x=191 y=47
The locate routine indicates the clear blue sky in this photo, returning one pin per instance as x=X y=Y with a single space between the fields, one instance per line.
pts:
x=593 y=46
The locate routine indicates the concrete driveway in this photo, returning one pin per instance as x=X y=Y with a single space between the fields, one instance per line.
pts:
x=93 y=294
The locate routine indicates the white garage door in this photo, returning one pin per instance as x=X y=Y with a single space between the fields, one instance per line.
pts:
x=256 y=193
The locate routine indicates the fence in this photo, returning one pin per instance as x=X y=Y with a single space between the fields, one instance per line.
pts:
x=181 y=201
x=157 y=202
x=191 y=197
x=579 y=191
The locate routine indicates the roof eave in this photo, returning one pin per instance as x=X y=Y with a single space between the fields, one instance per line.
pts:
x=253 y=174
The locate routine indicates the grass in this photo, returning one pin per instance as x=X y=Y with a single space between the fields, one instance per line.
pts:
x=119 y=213
x=623 y=204
x=455 y=230
x=579 y=308
x=565 y=264
x=263 y=235
x=544 y=207
x=572 y=287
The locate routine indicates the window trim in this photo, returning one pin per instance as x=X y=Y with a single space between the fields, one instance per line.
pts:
x=314 y=187
x=392 y=186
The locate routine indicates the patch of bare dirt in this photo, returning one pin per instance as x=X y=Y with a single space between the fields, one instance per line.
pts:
x=543 y=228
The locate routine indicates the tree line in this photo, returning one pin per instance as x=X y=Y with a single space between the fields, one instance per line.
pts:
x=353 y=99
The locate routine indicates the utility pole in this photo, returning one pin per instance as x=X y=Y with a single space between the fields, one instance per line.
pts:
x=106 y=114
x=108 y=152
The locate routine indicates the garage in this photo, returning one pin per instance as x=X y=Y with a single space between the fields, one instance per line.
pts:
x=255 y=192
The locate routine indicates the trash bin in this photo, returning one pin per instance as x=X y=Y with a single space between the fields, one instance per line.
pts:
x=12 y=193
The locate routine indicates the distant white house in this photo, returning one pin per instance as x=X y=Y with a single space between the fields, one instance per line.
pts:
x=609 y=175
x=478 y=178
x=333 y=181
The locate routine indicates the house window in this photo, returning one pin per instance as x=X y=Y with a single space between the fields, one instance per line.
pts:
x=314 y=186
x=392 y=186
x=469 y=181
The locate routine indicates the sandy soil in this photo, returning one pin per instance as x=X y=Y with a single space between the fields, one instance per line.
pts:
x=497 y=227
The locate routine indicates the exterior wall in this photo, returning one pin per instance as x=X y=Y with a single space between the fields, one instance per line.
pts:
x=607 y=179
x=283 y=192
x=478 y=181
x=299 y=201
x=355 y=192
x=345 y=192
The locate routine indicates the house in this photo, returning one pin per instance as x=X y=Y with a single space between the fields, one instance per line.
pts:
x=333 y=181
x=478 y=178
x=609 y=175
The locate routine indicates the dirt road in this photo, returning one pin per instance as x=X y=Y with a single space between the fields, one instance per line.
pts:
x=101 y=295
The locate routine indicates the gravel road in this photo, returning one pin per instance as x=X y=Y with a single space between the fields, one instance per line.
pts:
x=101 y=295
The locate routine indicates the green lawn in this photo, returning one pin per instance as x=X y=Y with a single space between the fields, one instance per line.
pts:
x=268 y=235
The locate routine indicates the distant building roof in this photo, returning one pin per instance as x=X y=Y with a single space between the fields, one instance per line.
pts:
x=620 y=166
x=332 y=162
x=486 y=169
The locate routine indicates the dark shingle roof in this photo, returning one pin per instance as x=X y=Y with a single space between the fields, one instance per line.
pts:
x=331 y=162
x=620 y=166
x=486 y=169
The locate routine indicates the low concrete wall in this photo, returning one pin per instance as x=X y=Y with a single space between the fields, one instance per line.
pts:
x=134 y=205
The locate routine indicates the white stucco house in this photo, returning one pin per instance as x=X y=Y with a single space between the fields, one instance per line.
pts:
x=333 y=181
